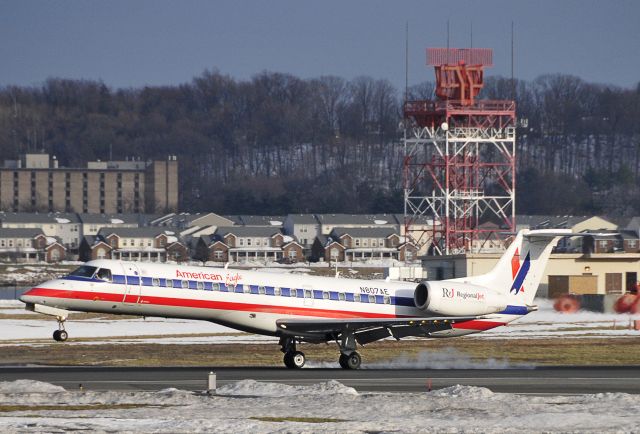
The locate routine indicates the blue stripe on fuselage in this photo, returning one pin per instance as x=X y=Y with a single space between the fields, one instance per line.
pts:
x=515 y=310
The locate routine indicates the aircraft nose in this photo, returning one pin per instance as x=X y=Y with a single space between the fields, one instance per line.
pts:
x=28 y=297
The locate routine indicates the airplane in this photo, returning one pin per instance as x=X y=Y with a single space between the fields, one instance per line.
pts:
x=308 y=309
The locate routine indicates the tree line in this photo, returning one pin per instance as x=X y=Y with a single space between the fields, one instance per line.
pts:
x=279 y=144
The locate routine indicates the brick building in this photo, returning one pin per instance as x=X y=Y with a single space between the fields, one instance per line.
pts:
x=37 y=183
x=150 y=244
x=30 y=245
x=247 y=243
x=361 y=244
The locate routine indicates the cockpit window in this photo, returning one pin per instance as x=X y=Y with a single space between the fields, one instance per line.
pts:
x=104 y=274
x=84 y=271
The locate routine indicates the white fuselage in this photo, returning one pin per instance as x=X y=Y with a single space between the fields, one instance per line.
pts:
x=246 y=300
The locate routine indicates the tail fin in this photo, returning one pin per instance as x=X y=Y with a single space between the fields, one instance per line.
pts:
x=519 y=271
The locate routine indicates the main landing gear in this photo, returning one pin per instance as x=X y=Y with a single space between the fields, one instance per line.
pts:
x=61 y=334
x=350 y=361
x=349 y=357
x=293 y=359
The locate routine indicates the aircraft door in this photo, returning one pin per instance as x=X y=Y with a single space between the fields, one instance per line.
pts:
x=133 y=283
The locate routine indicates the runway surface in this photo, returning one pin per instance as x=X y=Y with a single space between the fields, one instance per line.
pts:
x=555 y=380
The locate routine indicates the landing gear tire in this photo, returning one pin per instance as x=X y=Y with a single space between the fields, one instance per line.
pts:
x=60 y=335
x=351 y=361
x=294 y=359
x=343 y=361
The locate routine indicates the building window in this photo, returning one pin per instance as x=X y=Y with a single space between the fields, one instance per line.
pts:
x=217 y=254
x=55 y=255
x=357 y=242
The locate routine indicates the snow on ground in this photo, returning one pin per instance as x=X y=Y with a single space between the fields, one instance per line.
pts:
x=16 y=331
x=254 y=407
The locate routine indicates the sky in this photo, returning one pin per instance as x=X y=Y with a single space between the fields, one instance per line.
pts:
x=139 y=43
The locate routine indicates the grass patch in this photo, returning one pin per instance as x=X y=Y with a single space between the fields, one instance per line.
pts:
x=12 y=408
x=297 y=419
x=537 y=351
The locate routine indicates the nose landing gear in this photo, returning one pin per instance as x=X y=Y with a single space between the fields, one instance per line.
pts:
x=61 y=334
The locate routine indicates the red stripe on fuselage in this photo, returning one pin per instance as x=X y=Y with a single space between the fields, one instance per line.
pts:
x=203 y=304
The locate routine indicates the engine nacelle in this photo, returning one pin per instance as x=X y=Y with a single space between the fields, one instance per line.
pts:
x=457 y=299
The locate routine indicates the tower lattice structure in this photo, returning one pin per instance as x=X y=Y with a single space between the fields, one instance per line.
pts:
x=459 y=158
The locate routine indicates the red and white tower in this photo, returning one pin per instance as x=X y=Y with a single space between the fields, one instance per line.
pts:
x=459 y=162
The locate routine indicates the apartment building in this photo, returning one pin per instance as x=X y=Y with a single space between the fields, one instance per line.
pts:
x=35 y=182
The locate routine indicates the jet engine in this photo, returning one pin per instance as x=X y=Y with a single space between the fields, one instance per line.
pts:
x=457 y=299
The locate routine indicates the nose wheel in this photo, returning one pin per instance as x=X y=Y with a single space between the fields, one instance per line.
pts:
x=61 y=334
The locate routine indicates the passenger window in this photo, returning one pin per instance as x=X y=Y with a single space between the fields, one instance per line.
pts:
x=231 y=288
x=356 y=298
x=155 y=281
x=372 y=298
x=276 y=291
x=185 y=284
x=325 y=295
x=216 y=287
x=169 y=283
x=246 y=288
x=104 y=274
x=200 y=285
x=387 y=299
x=261 y=290
x=294 y=292
x=341 y=296
x=308 y=293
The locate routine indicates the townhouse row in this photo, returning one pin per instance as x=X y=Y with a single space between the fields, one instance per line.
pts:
x=28 y=237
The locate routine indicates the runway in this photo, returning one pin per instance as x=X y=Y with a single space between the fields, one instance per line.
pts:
x=539 y=381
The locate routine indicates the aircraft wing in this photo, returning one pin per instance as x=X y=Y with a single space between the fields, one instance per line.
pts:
x=367 y=330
